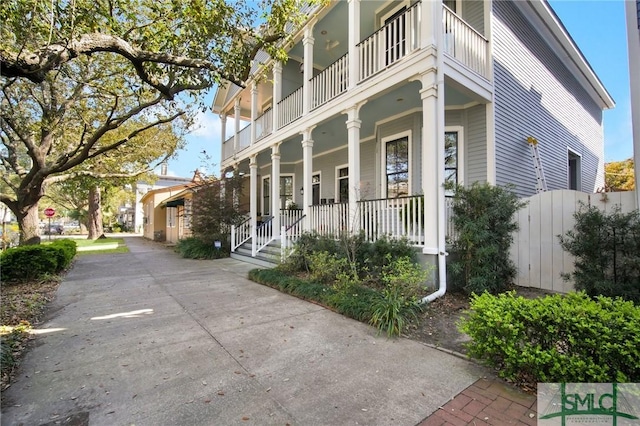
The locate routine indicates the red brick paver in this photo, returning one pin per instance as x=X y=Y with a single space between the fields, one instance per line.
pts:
x=486 y=402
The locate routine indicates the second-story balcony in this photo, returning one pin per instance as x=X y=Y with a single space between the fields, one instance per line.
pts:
x=386 y=47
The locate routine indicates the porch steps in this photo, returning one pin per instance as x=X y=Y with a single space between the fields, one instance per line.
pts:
x=268 y=257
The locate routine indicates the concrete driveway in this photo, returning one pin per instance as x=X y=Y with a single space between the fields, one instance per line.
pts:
x=149 y=338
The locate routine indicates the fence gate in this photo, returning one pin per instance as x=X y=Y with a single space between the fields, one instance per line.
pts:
x=536 y=249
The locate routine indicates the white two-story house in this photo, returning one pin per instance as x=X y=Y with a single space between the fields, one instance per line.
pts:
x=382 y=102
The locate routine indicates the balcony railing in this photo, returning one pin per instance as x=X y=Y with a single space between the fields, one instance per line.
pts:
x=244 y=138
x=290 y=108
x=464 y=43
x=227 y=148
x=264 y=124
x=390 y=43
x=331 y=82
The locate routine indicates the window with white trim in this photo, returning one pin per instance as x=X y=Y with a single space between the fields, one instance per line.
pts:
x=397 y=167
x=342 y=180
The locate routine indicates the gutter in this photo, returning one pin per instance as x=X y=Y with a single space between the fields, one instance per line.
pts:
x=440 y=124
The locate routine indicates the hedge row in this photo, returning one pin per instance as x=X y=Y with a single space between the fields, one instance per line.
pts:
x=559 y=338
x=31 y=262
x=357 y=304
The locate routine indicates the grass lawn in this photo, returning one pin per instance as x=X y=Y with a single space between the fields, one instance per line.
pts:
x=104 y=245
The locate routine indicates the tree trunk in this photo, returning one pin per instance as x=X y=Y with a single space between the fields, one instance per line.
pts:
x=28 y=223
x=94 y=221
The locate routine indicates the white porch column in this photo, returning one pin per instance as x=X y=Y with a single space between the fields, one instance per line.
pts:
x=223 y=126
x=430 y=22
x=253 y=203
x=431 y=162
x=353 y=149
x=307 y=172
x=254 y=110
x=275 y=189
x=307 y=64
x=236 y=135
x=354 y=39
x=277 y=93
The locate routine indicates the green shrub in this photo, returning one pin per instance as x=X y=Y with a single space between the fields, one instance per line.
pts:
x=29 y=262
x=308 y=243
x=367 y=258
x=67 y=250
x=558 y=338
x=356 y=303
x=399 y=301
x=195 y=248
x=325 y=267
x=607 y=252
x=484 y=223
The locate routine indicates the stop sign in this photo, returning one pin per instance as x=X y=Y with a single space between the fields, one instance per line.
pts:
x=49 y=212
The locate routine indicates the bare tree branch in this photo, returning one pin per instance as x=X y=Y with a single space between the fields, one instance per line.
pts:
x=35 y=65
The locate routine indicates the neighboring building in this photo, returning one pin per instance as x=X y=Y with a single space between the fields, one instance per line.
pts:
x=167 y=211
x=136 y=212
x=383 y=102
x=633 y=38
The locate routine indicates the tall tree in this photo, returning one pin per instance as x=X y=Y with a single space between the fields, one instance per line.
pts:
x=619 y=175
x=74 y=72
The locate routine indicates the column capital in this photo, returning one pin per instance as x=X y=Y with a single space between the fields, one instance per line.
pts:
x=354 y=111
x=307 y=143
x=254 y=87
x=253 y=161
x=306 y=133
x=277 y=67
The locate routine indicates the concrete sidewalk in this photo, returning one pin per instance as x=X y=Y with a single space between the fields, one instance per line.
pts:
x=149 y=338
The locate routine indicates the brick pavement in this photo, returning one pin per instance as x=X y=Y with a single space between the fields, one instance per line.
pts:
x=486 y=402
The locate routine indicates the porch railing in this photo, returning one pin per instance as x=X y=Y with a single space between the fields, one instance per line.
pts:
x=450 y=232
x=390 y=43
x=290 y=234
x=290 y=216
x=464 y=43
x=290 y=108
x=264 y=124
x=329 y=219
x=331 y=82
x=393 y=217
x=264 y=234
x=240 y=234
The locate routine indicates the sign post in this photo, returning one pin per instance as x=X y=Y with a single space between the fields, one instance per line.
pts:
x=49 y=212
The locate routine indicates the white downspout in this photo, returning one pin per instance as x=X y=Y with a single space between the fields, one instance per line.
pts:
x=442 y=252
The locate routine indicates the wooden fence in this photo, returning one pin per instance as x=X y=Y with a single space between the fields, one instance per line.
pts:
x=536 y=249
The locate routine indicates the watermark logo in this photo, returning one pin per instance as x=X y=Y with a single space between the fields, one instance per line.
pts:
x=572 y=404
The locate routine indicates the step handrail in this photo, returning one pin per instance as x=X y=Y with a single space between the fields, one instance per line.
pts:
x=262 y=232
x=240 y=233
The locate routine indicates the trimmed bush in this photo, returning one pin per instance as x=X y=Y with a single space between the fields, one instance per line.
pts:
x=607 y=252
x=67 y=250
x=560 y=338
x=357 y=303
x=30 y=262
x=484 y=223
x=195 y=248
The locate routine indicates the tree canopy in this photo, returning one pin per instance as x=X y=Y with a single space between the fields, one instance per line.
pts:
x=619 y=175
x=85 y=83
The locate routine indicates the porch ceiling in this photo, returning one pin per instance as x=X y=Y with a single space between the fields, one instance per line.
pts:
x=332 y=133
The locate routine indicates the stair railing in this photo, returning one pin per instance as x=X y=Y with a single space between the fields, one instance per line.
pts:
x=264 y=234
x=289 y=235
x=240 y=234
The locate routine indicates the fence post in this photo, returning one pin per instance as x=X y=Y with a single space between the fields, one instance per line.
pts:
x=233 y=238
